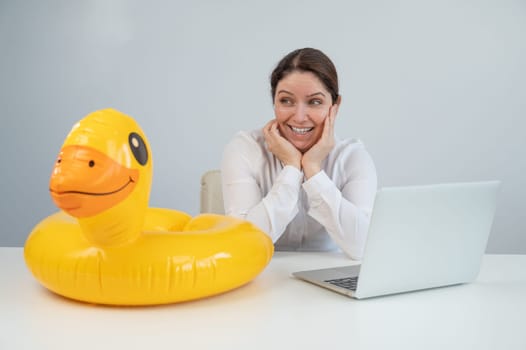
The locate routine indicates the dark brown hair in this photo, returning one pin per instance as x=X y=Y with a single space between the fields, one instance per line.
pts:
x=307 y=60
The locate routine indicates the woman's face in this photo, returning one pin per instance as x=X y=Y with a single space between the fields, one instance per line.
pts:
x=301 y=105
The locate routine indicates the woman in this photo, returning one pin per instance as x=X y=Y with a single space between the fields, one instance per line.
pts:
x=294 y=179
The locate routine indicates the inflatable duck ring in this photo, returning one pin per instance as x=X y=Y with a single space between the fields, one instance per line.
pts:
x=107 y=246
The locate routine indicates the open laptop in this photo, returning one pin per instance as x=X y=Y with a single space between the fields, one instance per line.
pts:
x=419 y=237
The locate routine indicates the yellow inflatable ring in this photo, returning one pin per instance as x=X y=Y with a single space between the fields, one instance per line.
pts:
x=107 y=246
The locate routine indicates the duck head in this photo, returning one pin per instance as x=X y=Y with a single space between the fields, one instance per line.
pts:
x=103 y=176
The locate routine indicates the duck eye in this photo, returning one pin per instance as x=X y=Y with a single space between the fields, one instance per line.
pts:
x=138 y=148
x=91 y=163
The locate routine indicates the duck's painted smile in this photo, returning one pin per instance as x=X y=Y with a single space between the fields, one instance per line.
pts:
x=96 y=193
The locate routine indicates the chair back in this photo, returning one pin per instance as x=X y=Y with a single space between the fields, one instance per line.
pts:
x=212 y=193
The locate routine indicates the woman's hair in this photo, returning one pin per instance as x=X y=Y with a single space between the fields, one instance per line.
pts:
x=307 y=60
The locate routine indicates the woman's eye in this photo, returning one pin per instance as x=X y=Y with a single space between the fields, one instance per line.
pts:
x=285 y=101
x=316 y=102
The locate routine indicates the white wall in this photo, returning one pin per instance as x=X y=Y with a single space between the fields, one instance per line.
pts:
x=435 y=89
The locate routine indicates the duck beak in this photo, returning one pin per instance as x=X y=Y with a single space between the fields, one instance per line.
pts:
x=86 y=182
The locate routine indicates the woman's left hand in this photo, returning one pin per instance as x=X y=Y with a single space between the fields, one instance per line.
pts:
x=312 y=160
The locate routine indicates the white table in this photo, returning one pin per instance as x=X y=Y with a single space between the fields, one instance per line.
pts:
x=275 y=311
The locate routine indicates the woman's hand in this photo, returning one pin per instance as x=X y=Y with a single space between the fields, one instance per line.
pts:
x=312 y=160
x=280 y=147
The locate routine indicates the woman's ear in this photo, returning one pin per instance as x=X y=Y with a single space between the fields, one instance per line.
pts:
x=336 y=105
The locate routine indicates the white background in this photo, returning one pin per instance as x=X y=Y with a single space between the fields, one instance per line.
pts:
x=435 y=89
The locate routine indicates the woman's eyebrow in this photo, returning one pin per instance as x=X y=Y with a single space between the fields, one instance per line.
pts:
x=316 y=93
x=290 y=93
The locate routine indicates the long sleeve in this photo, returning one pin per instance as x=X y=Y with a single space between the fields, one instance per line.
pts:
x=250 y=193
x=329 y=211
x=345 y=213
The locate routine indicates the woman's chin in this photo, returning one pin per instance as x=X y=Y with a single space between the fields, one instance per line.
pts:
x=302 y=142
x=302 y=147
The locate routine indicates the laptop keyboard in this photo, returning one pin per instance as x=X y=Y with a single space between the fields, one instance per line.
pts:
x=347 y=282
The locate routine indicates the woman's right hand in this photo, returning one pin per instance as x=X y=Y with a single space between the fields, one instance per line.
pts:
x=281 y=147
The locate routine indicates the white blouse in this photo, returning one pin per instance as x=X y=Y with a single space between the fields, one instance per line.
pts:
x=330 y=210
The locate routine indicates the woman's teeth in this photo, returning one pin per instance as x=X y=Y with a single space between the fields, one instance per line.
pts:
x=301 y=130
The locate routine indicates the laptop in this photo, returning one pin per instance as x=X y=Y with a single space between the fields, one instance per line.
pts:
x=419 y=237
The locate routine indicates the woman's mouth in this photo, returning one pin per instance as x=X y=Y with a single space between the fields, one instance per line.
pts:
x=300 y=131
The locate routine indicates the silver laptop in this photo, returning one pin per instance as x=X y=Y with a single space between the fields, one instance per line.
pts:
x=419 y=237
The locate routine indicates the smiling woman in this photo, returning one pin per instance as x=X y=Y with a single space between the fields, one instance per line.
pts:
x=301 y=107
x=307 y=189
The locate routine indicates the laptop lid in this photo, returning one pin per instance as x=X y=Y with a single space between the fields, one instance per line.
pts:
x=426 y=236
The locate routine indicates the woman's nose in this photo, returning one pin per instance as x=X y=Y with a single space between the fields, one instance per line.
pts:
x=301 y=113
